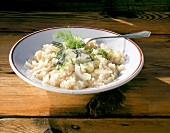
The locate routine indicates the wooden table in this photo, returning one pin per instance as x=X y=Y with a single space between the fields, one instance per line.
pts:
x=142 y=105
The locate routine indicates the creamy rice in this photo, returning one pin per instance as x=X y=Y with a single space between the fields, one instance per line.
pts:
x=76 y=68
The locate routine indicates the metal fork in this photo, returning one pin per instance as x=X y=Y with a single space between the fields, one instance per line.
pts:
x=133 y=35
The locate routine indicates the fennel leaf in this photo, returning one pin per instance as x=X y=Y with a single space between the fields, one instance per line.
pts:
x=71 y=41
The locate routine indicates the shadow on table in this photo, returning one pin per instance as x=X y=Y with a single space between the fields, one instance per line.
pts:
x=89 y=105
x=105 y=103
x=82 y=106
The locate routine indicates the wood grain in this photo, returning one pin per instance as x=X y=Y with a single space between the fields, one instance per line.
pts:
x=85 y=5
x=22 y=23
x=111 y=125
x=65 y=125
x=147 y=95
x=34 y=125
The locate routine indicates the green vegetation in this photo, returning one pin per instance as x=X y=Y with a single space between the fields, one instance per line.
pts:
x=71 y=41
x=103 y=53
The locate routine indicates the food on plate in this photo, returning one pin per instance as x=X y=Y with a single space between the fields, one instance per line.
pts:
x=73 y=65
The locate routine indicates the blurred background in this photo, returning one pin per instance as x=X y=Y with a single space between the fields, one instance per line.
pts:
x=116 y=6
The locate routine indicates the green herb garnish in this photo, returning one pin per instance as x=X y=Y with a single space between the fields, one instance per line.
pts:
x=71 y=41
x=103 y=53
x=88 y=51
x=61 y=57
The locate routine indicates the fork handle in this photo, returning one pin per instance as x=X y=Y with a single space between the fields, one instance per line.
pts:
x=133 y=35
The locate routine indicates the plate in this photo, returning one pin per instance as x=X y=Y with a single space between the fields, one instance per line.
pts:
x=26 y=47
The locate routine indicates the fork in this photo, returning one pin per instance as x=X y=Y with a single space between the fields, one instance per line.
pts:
x=140 y=34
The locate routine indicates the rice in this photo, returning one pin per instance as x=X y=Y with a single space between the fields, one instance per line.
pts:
x=76 y=69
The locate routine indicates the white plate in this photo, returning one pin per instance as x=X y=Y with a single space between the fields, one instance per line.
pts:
x=26 y=47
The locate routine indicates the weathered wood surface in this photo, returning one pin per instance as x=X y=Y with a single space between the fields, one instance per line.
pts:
x=147 y=96
x=18 y=23
x=11 y=125
x=85 y=5
x=70 y=125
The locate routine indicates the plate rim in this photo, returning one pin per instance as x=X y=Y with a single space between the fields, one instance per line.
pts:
x=89 y=90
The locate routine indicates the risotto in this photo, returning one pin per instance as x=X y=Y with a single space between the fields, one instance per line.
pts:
x=76 y=68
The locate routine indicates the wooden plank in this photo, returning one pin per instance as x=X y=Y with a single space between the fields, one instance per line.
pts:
x=147 y=94
x=111 y=125
x=65 y=125
x=139 y=5
x=20 y=98
x=52 y=5
x=17 y=22
x=30 y=125
x=93 y=5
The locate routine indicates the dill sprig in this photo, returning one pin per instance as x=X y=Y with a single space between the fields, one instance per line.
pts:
x=103 y=53
x=71 y=41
